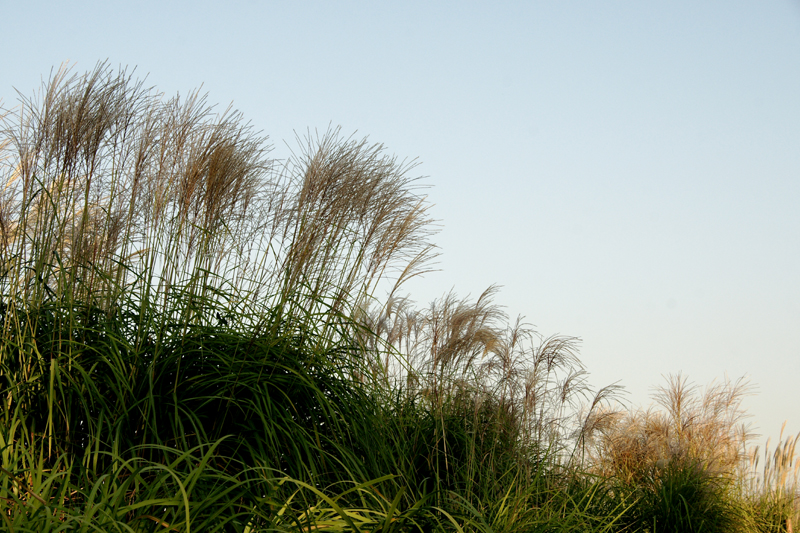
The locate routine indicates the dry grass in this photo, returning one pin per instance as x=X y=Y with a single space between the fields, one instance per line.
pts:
x=352 y=220
x=780 y=470
x=100 y=171
x=691 y=424
x=774 y=485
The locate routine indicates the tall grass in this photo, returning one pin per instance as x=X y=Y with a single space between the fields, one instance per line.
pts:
x=193 y=339
x=773 y=487
x=165 y=285
x=180 y=321
x=505 y=398
x=698 y=425
x=689 y=466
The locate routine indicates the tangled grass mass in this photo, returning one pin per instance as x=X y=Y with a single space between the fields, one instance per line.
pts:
x=197 y=337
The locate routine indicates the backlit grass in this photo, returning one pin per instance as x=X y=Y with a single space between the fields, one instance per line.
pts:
x=195 y=338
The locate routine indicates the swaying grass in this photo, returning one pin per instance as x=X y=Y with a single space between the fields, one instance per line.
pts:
x=192 y=341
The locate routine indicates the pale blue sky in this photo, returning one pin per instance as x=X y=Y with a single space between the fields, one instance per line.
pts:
x=629 y=172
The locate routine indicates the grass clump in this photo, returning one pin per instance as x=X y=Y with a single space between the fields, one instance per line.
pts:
x=687 y=465
x=192 y=341
x=166 y=286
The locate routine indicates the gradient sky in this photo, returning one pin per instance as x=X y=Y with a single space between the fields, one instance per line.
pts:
x=628 y=171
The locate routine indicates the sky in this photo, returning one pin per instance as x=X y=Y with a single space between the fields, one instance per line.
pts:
x=628 y=172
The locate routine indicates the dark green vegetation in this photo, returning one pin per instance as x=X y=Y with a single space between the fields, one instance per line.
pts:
x=190 y=342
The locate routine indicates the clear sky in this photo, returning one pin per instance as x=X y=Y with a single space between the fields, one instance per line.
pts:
x=628 y=171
